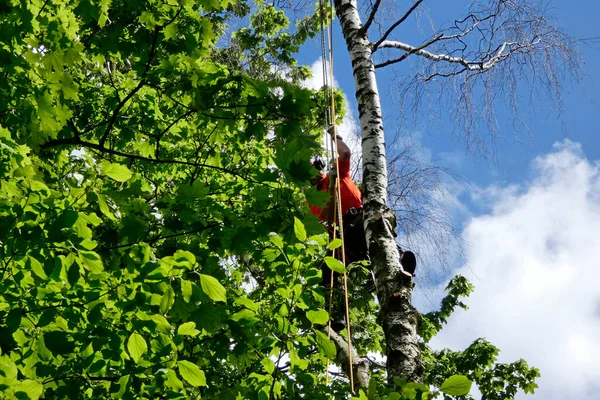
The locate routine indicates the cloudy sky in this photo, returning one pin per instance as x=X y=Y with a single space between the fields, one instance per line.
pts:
x=530 y=219
x=534 y=261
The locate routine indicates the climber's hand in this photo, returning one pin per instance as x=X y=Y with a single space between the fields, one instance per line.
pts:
x=331 y=131
x=332 y=178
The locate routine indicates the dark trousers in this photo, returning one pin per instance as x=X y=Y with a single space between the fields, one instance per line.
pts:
x=355 y=247
x=355 y=244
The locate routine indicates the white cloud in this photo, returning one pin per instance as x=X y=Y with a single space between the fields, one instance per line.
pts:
x=534 y=262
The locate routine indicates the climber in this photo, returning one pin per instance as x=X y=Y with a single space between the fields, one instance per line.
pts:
x=351 y=202
x=355 y=245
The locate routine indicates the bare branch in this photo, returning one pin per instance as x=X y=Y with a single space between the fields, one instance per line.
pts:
x=483 y=62
x=408 y=53
x=367 y=25
x=396 y=24
x=500 y=54
x=437 y=38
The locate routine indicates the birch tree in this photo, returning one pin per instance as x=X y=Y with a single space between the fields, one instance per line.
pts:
x=489 y=49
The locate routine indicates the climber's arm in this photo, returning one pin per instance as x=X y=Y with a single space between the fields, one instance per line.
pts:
x=342 y=148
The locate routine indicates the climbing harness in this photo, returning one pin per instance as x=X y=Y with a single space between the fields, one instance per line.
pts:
x=338 y=217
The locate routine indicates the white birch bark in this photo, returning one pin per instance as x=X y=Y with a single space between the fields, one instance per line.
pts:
x=360 y=365
x=394 y=289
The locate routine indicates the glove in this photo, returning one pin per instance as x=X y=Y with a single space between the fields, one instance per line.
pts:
x=331 y=130
x=332 y=178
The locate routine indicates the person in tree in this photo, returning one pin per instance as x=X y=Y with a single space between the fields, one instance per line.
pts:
x=350 y=199
x=355 y=245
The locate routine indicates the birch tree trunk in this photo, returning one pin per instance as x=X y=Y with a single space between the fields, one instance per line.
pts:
x=394 y=288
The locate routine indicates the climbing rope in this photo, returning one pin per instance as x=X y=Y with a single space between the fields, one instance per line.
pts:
x=338 y=216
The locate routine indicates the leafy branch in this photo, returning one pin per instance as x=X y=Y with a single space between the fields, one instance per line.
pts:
x=75 y=141
x=140 y=84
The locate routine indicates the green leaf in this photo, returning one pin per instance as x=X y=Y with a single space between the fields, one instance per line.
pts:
x=91 y=261
x=276 y=240
x=319 y=317
x=58 y=342
x=335 y=264
x=298 y=361
x=136 y=345
x=213 y=288
x=172 y=381
x=104 y=207
x=30 y=387
x=334 y=244
x=456 y=385
x=325 y=345
x=36 y=267
x=244 y=314
x=299 y=230
x=162 y=325
x=13 y=319
x=188 y=329
x=186 y=290
x=118 y=172
x=191 y=373
x=271 y=254
x=167 y=300
x=170 y=31
x=8 y=368
x=268 y=365
x=73 y=274
x=318 y=239
x=246 y=302
x=317 y=197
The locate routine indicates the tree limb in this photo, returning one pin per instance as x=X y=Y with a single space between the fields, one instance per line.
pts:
x=79 y=142
x=499 y=54
x=360 y=365
x=395 y=25
x=122 y=103
x=408 y=53
x=370 y=19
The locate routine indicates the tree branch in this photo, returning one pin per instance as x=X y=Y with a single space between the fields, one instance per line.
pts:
x=408 y=53
x=499 y=54
x=440 y=37
x=395 y=25
x=79 y=142
x=141 y=83
x=360 y=365
x=187 y=232
x=363 y=30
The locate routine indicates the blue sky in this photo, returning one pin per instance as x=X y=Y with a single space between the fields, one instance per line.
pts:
x=530 y=216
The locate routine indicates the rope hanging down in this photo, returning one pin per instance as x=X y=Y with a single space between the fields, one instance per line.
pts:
x=338 y=216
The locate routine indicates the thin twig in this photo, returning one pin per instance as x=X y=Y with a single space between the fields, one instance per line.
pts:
x=363 y=30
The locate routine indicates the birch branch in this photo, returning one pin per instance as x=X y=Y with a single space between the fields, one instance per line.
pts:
x=443 y=36
x=360 y=365
x=396 y=24
x=370 y=19
x=480 y=65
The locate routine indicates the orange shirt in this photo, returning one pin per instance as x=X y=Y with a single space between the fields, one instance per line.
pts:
x=349 y=193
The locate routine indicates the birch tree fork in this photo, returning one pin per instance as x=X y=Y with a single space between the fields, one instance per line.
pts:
x=491 y=48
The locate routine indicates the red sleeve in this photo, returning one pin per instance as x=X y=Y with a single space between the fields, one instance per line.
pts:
x=344 y=167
